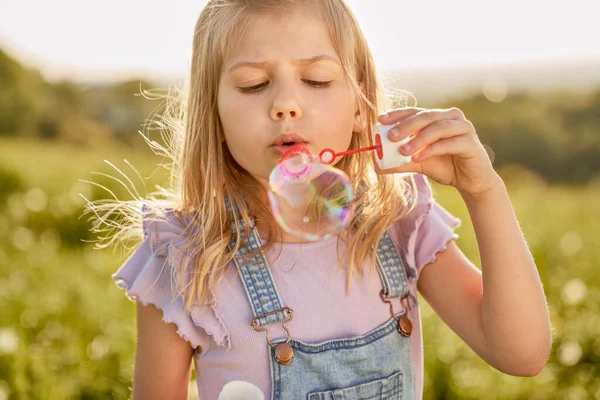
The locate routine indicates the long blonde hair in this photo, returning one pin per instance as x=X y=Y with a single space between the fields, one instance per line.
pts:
x=204 y=173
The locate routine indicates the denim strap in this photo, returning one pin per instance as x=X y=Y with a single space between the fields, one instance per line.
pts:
x=391 y=269
x=254 y=271
x=260 y=287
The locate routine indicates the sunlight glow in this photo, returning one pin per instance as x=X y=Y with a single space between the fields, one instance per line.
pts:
x=78 y=40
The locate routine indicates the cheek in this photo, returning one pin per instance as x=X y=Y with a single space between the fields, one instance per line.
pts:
x=235 y=113
x=224 y=108
x=337 y=116
x=227 y=106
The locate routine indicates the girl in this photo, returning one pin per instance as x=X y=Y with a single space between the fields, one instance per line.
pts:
x=217 y=281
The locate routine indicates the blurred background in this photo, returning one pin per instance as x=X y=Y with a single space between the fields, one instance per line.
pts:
x=527 y=73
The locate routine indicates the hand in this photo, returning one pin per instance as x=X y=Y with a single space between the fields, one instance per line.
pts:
x=445 y=147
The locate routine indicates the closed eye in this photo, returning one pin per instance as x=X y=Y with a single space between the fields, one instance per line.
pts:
x=253 y=89
x=319 y=84
x=260 y=86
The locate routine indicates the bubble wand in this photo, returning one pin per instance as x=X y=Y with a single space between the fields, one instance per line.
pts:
x=387 y=154
x=312 y=199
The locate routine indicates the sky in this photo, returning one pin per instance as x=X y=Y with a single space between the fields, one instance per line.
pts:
x=83 y=40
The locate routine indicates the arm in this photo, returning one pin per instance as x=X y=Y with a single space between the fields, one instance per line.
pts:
x=163 y=359
x=500 y=312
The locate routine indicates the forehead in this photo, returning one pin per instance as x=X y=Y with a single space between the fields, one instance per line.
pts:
x=291 y=35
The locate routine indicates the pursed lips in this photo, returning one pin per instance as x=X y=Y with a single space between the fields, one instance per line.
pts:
x=285 y=141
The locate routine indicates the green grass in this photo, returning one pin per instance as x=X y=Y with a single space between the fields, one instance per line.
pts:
x=66 y=331
x=558 y=223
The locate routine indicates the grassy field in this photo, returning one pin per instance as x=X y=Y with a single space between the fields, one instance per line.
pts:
x=66 y=331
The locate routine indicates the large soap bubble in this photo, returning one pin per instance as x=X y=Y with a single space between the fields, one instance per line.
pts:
x=309 y=199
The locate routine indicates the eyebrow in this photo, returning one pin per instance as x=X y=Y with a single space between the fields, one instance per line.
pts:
x=302 y=61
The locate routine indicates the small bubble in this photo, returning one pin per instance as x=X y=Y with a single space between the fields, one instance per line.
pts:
x=305 y=220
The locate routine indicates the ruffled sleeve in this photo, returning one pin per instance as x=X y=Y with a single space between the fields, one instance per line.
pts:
x=147 y=276
x=424 y=232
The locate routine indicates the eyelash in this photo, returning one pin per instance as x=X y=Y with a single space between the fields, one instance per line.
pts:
x=260 y=86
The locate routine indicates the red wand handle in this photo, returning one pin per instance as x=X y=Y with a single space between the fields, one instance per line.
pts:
x=328 y=155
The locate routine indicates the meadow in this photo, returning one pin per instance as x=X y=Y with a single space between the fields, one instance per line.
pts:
x=68 y=332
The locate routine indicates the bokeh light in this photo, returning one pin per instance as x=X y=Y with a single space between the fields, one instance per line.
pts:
x=495 y=89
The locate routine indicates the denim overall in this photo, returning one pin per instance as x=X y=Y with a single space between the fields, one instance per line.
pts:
x=374 y=366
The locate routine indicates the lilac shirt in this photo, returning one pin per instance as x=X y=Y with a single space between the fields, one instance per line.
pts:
x=308 y=280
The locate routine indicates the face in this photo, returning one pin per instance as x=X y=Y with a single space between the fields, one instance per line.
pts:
x=284 y=79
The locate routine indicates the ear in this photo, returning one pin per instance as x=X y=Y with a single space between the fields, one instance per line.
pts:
x=359 y=120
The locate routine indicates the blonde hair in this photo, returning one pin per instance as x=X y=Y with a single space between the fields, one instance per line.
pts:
x=204 y=173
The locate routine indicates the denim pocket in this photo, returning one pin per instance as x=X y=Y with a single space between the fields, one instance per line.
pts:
x=389 y=388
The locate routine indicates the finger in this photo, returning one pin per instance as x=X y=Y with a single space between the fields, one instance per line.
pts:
x=438 y=130
x=393 y=116
x=413 y=124
x=457 y=145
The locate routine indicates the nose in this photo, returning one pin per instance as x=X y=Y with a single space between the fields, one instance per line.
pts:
x=285 y=106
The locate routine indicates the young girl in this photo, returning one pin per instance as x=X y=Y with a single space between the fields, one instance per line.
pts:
x=218 y=281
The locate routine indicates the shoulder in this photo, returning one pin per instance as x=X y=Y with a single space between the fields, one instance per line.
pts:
x=164 y=228
x=148 y=272
x=148 y=276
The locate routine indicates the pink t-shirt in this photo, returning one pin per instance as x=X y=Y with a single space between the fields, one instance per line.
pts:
x=308 y=281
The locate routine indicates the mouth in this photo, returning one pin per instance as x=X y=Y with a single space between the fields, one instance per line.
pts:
x=286 y=141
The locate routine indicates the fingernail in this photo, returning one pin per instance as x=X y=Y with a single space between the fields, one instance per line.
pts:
x=394 y=133
x=405 y=148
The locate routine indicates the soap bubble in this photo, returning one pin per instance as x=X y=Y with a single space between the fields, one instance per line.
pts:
x=309 y=199
x=241 y=390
